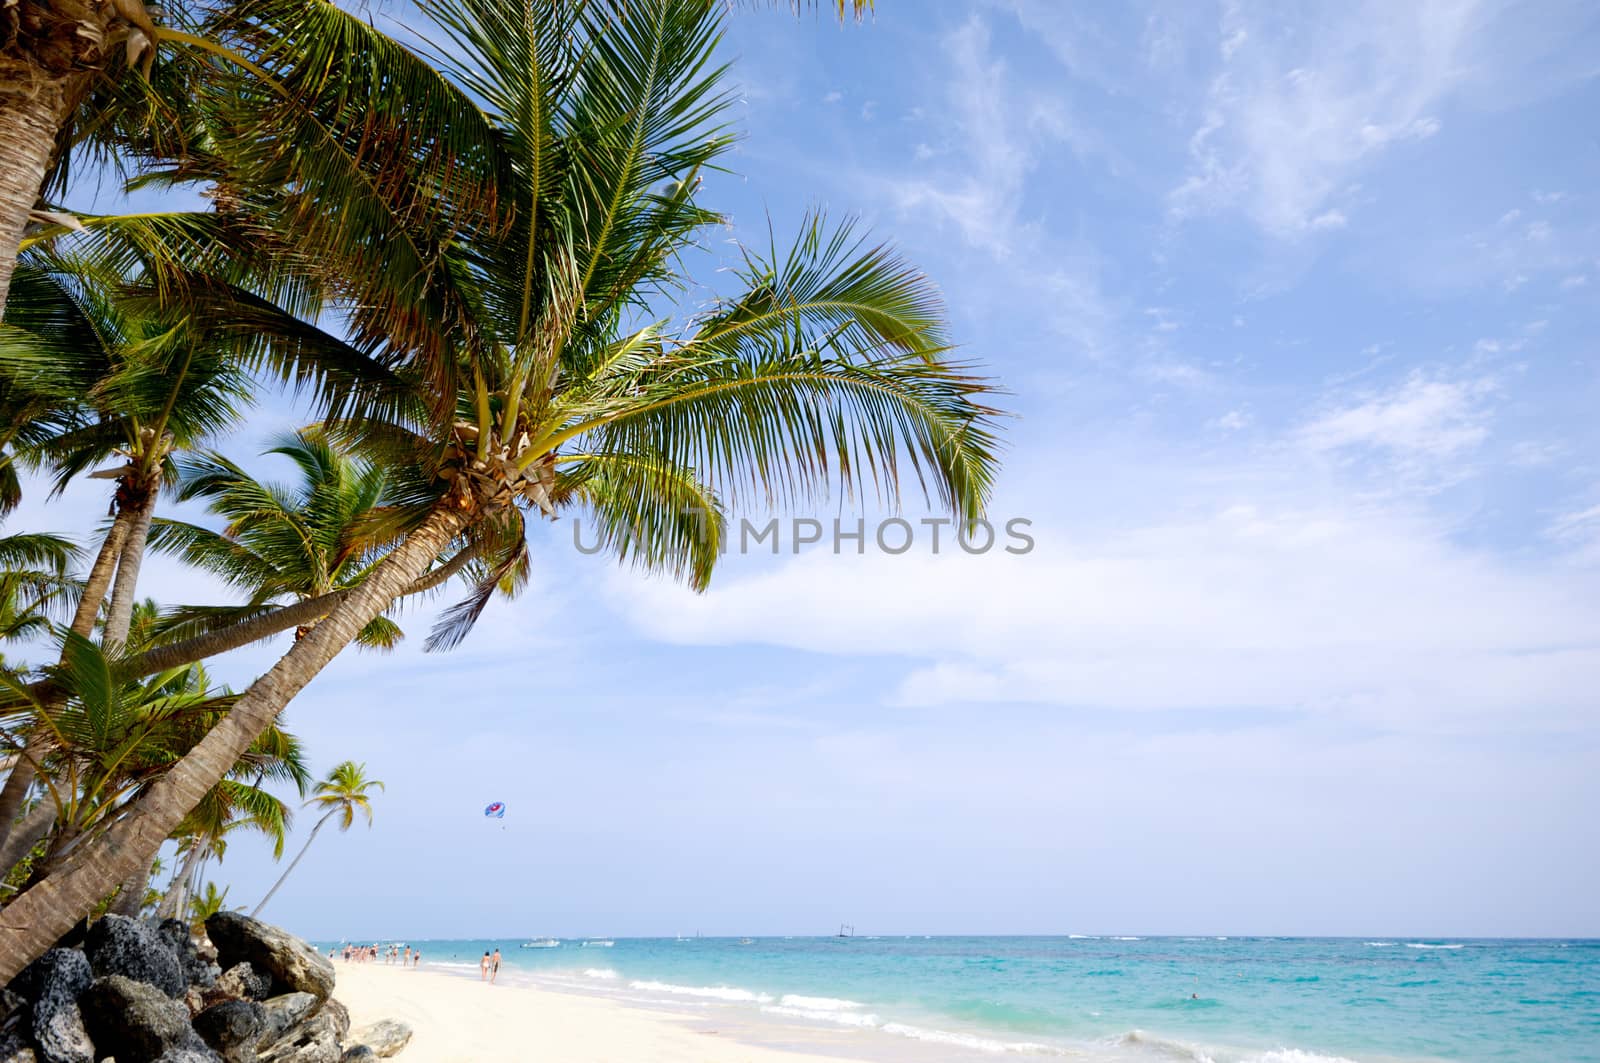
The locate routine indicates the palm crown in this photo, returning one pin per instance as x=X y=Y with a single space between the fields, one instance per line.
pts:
x=345 y=791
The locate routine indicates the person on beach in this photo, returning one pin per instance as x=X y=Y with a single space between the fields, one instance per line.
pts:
x=494 y=966
x=483 y=968
x=416 y=958
x=405 y=960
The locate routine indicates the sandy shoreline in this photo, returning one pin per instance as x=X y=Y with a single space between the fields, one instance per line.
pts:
x=459 y=1020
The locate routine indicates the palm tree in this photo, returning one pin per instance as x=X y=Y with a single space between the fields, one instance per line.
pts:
x=62 y=60
x=136 y=387
x=343 y=793
x=532 y=318
x=206 y=905
x=297 y=542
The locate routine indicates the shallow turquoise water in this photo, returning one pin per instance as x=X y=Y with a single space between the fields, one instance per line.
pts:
x=1261 y=1000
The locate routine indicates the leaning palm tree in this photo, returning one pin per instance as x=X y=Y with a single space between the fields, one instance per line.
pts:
x=345 y=791
x=537 y=329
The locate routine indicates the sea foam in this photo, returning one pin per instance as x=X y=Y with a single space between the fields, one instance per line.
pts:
x=709 y=992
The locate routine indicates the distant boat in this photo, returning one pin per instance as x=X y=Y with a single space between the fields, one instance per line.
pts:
x=846 y=931
x=746 y=941
x=542 y=943
x=598 y=943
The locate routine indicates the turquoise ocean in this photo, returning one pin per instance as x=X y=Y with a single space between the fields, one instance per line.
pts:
x=1111 y=999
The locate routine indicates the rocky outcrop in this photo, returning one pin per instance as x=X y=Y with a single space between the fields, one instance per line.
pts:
x=57 y=979
x=239 y=982
x=197 y=970
x=233 y=1029
x=138 y=1023
x=293 y=965
x=142 y=993
x=385 y=1038
x=286 y=1012
x=117 y=945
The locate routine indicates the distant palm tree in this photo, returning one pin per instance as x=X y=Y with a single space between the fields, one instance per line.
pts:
x=206 y=905
x=281 y=542
x=343 y=793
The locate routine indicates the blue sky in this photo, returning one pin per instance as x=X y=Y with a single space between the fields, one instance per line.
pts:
x=1296 y=308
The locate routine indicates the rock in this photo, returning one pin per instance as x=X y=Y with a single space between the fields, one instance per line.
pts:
x=138 y=1023
x=14 y=1047
x=284 y=1013
x=197 y=969
x=293 y=964
x=192 y=1052
x=233 y=1028
x=314 y=1041
x=194 y=1000
x=359 y=1054
x=11 y=1004
x=385 y=1037
x=59 y=978
x=118 y=945
x=239 y=982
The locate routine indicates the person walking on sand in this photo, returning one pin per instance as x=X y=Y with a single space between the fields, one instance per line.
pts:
x=494 y=966
x=483 y=968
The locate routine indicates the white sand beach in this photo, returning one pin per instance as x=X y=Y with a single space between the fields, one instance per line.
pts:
x=462 y=1020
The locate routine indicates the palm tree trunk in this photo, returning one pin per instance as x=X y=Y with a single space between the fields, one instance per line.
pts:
x=130 y=899
x=24 y=770
x=188 y=651
x=25 y=834
x=292 y=864
x=31 y=115
x=172 y=904
x=37 y=918
x=119 y=614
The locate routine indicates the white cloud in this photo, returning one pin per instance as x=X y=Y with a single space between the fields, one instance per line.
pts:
x=1253 y=589
x=1232 y=421
x=1291 y=118
x=833 y=97
x=1423 y=416
x=1575 y=281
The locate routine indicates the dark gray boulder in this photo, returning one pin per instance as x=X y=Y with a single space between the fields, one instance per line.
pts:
x=233 y=1028
x=294 y=965
x=359 y=1054
x=386 y=1037
x=196 y=970
x=138 y=1023
x=59 y=978
x=284 y=1013
x=117 y=945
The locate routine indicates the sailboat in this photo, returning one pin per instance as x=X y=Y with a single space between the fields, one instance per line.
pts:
x=846 y=931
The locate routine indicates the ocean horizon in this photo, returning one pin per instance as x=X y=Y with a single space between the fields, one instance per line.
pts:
x=1133 y=998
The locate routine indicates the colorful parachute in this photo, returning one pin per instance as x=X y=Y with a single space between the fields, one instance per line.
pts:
x=496 y=810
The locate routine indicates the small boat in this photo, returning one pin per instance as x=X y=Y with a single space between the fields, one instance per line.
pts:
x=598 y=943
x=746 y=941
x=542 y=943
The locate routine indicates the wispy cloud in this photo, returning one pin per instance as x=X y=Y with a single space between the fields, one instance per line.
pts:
x=1423 y=416
x=1292 y=118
